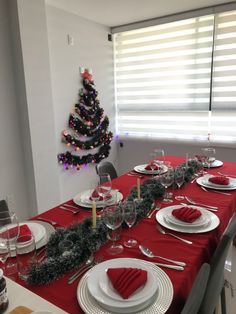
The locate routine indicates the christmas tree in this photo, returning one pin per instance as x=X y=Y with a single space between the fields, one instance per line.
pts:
x=88 y=129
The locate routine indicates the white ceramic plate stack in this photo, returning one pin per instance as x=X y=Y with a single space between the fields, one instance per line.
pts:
x=207 y=222
x=216 y=163
x=204 y=181
x=96 y=294
x=83 y=199
x=41 y=232
x=141 y=169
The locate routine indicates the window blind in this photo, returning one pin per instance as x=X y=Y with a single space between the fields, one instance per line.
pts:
x=164 y=73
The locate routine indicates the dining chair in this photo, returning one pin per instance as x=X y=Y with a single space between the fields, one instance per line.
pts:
x=215 y=287
x=196 y=294
x=106 y=167
x=3 y=206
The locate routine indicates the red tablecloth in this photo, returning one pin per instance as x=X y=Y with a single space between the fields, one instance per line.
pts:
x=64 y=295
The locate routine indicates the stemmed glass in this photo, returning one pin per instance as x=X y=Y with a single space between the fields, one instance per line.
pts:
x=209 y=152
x=113 y=218
x=4 y=245
x=129 y=209
x=9 y=229
x=179 y=180
x=167 y=179
x=104 y=186
x=159 y=157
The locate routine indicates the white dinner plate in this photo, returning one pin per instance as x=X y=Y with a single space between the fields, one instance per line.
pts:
x=83 y=199
x=141 y=169
x=101 y=289
x=49 y=229
x=162 y=218
x=200 y=222
x=159 y=304
x=216 y=163
x=203 y=181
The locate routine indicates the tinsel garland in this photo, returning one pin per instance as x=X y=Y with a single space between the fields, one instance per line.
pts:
x=86 y=240
x=89 y=129
x=88 y=121
x=70 y=160
x=99 y=139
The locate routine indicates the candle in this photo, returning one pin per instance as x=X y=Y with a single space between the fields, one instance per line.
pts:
x=94 y=215
x=186 y=161
x=138 y=188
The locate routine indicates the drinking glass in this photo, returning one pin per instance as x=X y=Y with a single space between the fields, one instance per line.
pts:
x=10 y=225
x=4 y=246
x=65 y=247
x=25 y=255
x=167 y=179
x=159 y=157
x=113 y=218
x=209 y=152
x=129 y=210
x=179 y=180
x=104 y=186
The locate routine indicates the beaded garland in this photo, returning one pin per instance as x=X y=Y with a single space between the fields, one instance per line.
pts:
x=87 y=240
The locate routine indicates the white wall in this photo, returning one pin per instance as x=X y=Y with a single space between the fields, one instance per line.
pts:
x=12 y=178
x=91 y=49
x=140 y=150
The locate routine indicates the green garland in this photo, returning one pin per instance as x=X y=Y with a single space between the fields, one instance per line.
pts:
x=87 y=240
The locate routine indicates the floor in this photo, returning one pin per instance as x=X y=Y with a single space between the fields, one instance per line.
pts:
x=230 y=276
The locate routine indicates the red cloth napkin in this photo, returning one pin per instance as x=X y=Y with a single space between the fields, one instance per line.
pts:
x=219 y=180
x=24 y=232
x=97 y=197
x=186 y=214
x=127 y=280
x=152 y=166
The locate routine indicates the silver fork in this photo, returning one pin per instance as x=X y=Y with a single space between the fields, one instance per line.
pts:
x=227 y=175
x=53 y=223
x=71 y=206
x=173 y=235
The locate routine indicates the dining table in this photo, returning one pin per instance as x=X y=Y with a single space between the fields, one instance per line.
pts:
x=64 y=295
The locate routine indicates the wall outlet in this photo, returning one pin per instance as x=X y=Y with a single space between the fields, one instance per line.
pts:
x=10 y=202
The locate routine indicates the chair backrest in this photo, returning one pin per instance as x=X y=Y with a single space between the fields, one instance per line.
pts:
x=216 y=279
x=196 y=294
x=106 y=167
x=3 y=206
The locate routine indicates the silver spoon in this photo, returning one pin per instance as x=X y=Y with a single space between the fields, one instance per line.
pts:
x=191 y=201
x=173 y=235
x=71 y=206
x=86 y=266
x=69 y=210
x=146 y=251
x=219 y=192
x=53 y=223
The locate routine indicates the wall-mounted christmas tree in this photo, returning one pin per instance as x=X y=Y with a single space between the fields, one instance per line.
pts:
x=88 y=129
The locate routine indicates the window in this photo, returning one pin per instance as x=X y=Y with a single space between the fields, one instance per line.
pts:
x=178 y=80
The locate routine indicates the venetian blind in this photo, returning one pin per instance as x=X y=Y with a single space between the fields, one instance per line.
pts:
x=163 y=77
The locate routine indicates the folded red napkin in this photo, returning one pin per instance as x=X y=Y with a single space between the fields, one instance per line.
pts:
x=24 y=232
x=97 y=197
x=219 y=180
x=127 y=280
x=152 y=166
x=186 y=214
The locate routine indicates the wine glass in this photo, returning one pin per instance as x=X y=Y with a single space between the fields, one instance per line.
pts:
x=129 y=210
x=159 y=157
x=4 y=246
x=179 y=180
x=167 y=179
x=104 y=186
x=209 y=152
x=9 y=227
x=113 y=218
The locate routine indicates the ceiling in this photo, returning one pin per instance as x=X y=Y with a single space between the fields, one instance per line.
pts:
x=120 y=12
